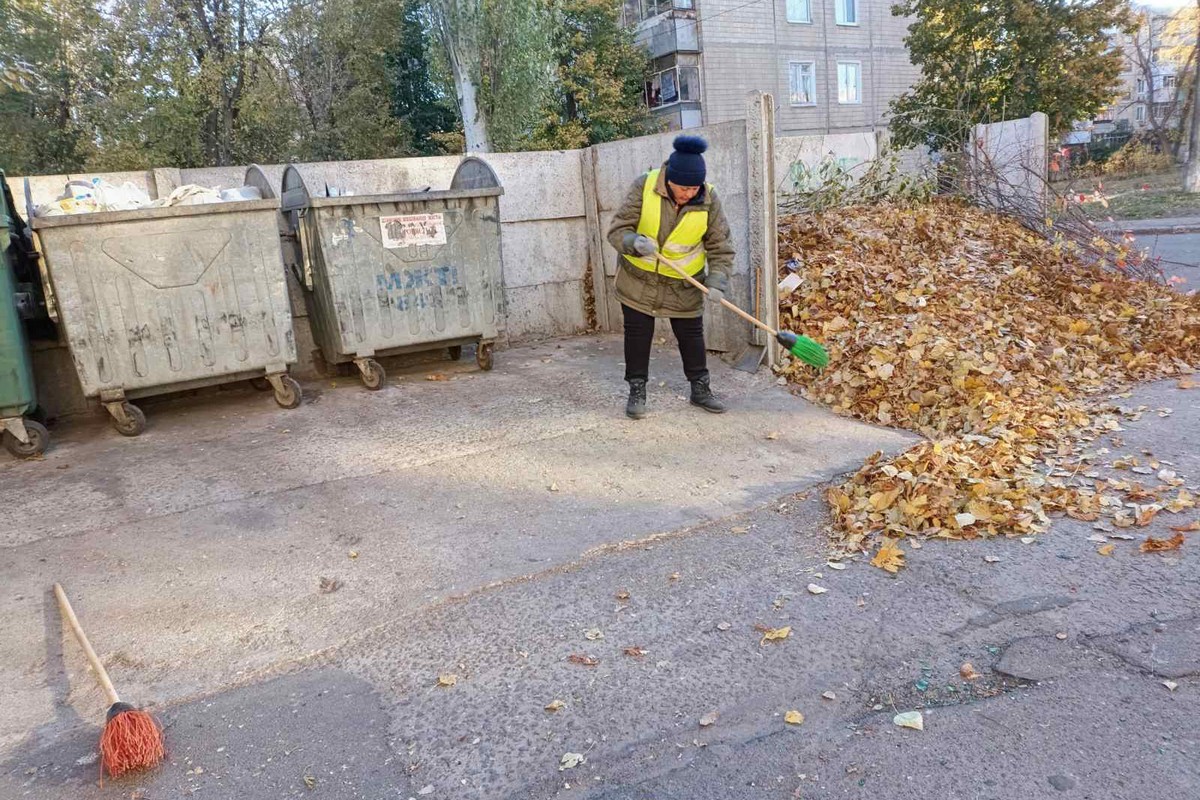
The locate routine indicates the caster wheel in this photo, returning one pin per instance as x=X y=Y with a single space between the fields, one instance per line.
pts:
x=291 y=395
x=135 y=421
x=456 y=352
x=261 y=384
x=39 y=439
x=483 y=357
x=374 y=377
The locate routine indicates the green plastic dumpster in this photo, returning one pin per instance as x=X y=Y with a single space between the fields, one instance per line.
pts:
x=24 y=438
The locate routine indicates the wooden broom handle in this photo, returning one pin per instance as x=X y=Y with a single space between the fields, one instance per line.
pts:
x=69 y=614
x=679 y=270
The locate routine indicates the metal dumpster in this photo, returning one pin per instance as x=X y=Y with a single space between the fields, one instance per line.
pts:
x=24 y=438
x=159 y=300
x=386 y=274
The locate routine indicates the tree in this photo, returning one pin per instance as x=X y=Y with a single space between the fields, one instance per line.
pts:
x=992 y=61
x=496 y=51
x=335 y=54
x=601 y=73
x=418 y=97
x=1191 y=176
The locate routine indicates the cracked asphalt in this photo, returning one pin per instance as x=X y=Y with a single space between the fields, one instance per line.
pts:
x=1072 y=650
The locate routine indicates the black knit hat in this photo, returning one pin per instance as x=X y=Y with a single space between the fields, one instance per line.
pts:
x=686 y=166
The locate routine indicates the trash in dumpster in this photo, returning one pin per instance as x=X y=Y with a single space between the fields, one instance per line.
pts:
x=98 y=195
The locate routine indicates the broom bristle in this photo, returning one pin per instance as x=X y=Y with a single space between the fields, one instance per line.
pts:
x=809 y=352
x=131 y=741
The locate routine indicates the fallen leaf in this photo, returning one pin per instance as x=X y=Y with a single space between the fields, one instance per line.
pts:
x=775 y=634
x=724 y=626
x=829 y=695
x=329 y=585
x=636 y=652
x=1060 y=636
x=815 y=589
x=1188 y=383
x=571 y=761
x=436 y=377
x=1106 y=550
x=593 y=634
x=555 y=705
x=793 y=717
x=1191 y=527
x=967 y=672
x=674 y=576
x=772 y=436
x=910 y=719
x=623 y=595
x=1146 y=516
x=354 y=554
x=310 y=781
x=890 y=557
x=1171 y=685
x=554 y=487
x=708 y=719
x=740 y=529
x=993 y=559
x=586 y=661
x=835 y=565
x=447 y=680
x=1152 y=545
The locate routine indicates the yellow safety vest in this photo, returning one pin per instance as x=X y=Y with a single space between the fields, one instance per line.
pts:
x=686 y=238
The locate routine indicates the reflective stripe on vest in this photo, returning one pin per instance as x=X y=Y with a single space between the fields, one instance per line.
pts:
x=685 y=239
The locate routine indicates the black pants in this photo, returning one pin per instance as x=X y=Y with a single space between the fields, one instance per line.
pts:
x=639 y=336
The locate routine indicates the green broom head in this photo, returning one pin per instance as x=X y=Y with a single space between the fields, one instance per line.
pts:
x=804 y=349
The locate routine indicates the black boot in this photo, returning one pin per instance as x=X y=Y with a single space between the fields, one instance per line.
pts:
x=702 y=396
x=636 y=407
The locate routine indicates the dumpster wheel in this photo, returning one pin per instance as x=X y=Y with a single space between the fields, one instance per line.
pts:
x=134 y=423
x=483 y=356
x=288 y=394
x=38 y=437
x=456 y=352
x=373 y=376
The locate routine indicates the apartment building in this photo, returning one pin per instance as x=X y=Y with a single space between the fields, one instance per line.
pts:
x=1150 y=92
x=832 y=65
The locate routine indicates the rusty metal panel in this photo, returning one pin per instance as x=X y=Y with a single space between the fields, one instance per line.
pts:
x=157 y=298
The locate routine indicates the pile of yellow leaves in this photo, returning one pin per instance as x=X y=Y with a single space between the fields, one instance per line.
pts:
x=994 y=343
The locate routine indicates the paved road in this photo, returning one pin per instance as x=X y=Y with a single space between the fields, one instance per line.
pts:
x=1180 y=254
x=1073 y=648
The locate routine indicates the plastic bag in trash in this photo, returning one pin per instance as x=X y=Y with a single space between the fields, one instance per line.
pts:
x=190 y=195
x=84 y=197
x=241 y=193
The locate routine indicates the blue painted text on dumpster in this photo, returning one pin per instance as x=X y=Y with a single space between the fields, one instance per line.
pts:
x=405 y=290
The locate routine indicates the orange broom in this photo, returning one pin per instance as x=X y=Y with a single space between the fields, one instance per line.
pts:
x=131 y=740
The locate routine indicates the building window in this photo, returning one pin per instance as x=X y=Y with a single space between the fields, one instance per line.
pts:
x=1141 y=87
x=673 y=85
x=1139 y=113
x=849 y=82
x=802 y=83
x=799 y=11
x=636 y=11
x=846 y=11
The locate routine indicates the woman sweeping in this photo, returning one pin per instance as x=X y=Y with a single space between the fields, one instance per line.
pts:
x=670 y=214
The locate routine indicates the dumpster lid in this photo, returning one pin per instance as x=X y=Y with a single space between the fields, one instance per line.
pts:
x=473 y=178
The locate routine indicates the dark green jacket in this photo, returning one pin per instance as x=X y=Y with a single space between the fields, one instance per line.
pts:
x=654 y=293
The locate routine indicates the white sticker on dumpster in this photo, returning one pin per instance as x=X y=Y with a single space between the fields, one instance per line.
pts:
x=413 y=230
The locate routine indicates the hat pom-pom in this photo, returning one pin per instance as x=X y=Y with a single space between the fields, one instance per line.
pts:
x=690 y=144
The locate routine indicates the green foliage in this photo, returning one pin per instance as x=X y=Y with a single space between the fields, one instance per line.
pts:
x=833 y=184
x=601 y=76
x=418 y=96
x=987 y=62
x=1138 y=157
